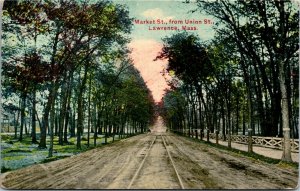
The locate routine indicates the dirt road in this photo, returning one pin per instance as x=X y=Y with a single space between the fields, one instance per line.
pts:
x=153 y=161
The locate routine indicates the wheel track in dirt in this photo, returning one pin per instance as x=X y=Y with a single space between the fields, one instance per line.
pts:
x=132 y=159
x=141 y=165
x=175 y=159
x=173 y=164
x=54 y=173
x=122 y=177
x=106 y=173
x=197 y=173
x=250 y=172
x=142 y=173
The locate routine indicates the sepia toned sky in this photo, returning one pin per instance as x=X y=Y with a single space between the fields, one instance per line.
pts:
x=146 y=44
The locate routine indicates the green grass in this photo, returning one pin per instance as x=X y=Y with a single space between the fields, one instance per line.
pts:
x=5 y=137
x=13 y=158
x=19 y=154
x=26 y=140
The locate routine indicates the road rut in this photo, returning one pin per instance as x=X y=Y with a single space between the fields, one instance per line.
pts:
x=199 y=166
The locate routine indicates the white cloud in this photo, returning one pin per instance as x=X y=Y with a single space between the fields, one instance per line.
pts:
x=155 y=13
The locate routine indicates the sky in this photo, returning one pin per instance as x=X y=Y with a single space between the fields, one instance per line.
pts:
x=147 y=42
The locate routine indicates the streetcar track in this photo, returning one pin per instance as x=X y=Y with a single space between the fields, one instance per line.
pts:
x=121 y=163
x=145 y=163
x=173 y=164
x=145 y=158
x=234 y=163
x=207 y=181
x=141 y=165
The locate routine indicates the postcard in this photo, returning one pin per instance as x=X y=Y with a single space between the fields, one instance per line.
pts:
x=149 y=94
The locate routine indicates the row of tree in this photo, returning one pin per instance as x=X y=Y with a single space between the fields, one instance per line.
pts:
x=244 y=80
x=66 y=63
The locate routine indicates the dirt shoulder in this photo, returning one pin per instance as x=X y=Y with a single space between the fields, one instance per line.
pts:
x=113 y=166
x=221 y=169
x=93 y=169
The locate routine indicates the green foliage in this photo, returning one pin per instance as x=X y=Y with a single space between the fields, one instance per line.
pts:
x=64 y=52
x=258 y=36
x=13 y=158
x=24 y=154
x=174 y=103
x=187 y=57
x=237 y=80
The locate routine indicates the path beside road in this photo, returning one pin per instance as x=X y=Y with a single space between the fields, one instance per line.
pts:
x=268 y=152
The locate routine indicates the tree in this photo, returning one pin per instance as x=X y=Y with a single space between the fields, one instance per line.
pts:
x=22 y=19
x=266 y=34
x=77 y=53
x=188 y=59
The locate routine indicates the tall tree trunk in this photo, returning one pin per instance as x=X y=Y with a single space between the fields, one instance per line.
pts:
x=223 y=121
x=250 y=148
x=51 y=129
x=52 y=93
x=33 y=118
x=63 y=110
x=195 y=116
x=45 y=125
x=228 y=104
x=56 y=122
x=283 y=63
x=228 y=123
x=286 y=155
x=80 y=108
x=16 y=123
x=200 y=118
x=89 y=111
x=96 y=110
x=23 y=105
x=25 y=126
x=237 y=113
x=68 y=108
x=244 y=122
x=73 y=124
